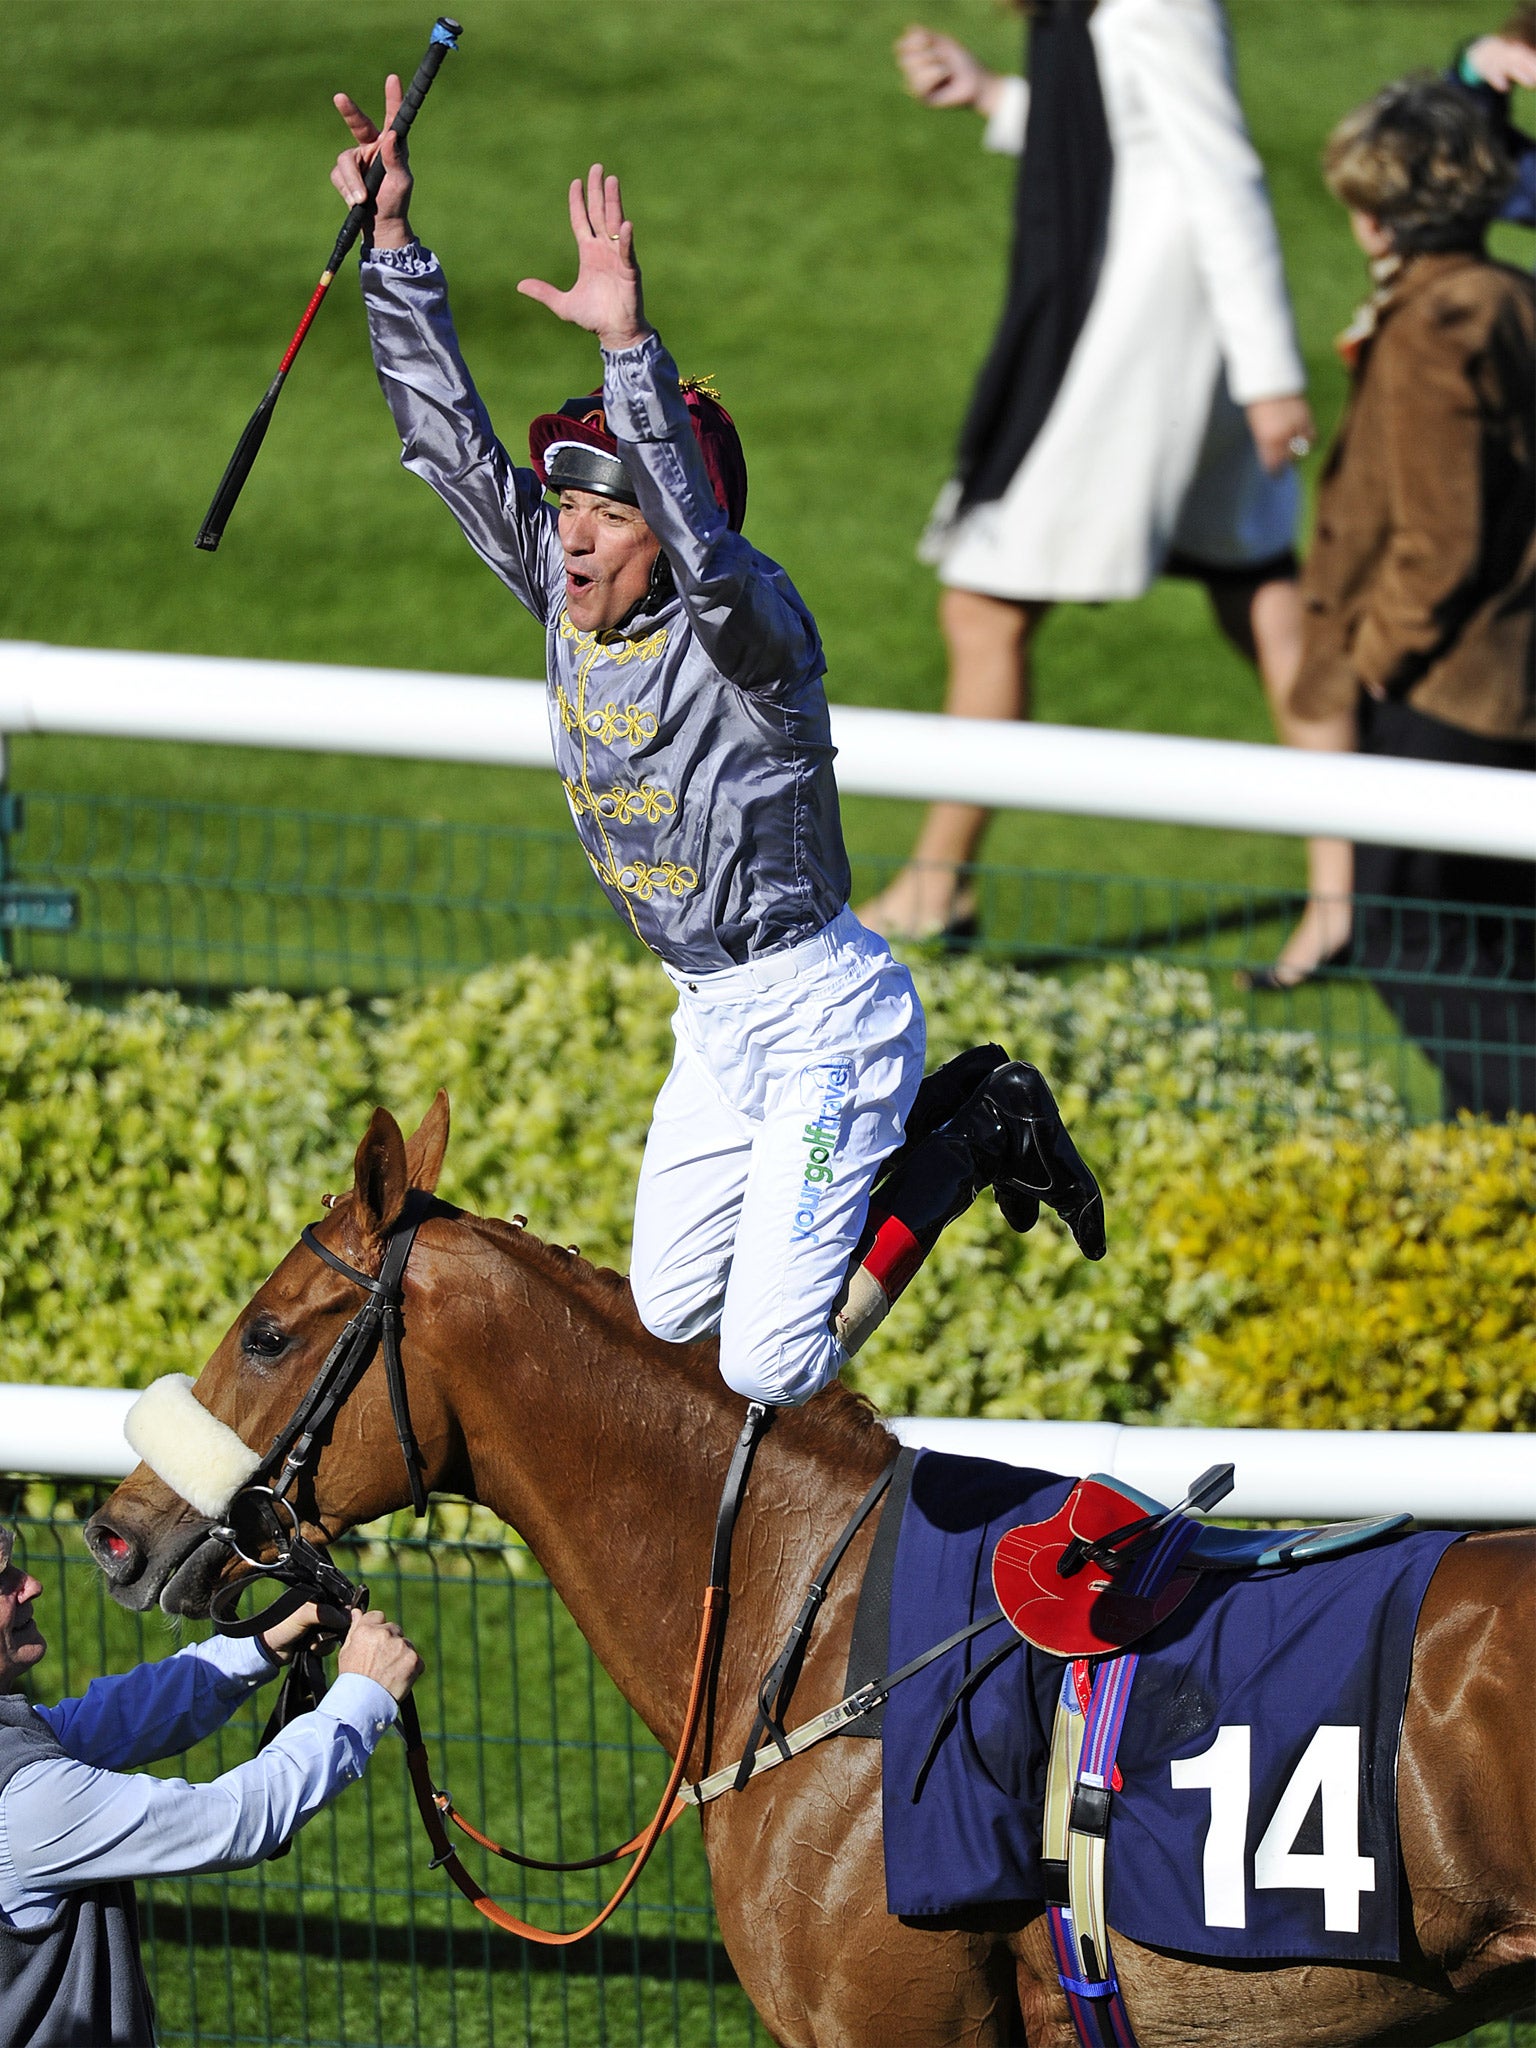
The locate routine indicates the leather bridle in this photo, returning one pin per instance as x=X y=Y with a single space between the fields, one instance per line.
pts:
x=261 y=1519
x=296 y=1449
x=262 y=1525
x=262 y=1528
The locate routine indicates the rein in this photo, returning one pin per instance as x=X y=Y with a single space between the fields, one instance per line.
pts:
x=261 y=1518
x=435 y=1806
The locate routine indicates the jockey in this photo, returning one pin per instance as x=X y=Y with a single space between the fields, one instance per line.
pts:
x=690 y=729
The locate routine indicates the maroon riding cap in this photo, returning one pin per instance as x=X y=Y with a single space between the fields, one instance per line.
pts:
x=572 y=449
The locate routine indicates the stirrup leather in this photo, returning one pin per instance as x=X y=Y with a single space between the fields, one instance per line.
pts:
x=1079 y=1789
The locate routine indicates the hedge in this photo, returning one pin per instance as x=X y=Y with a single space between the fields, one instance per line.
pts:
x=1283 y=1248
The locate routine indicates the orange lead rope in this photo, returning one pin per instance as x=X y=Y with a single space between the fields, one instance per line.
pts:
x=434 y=1806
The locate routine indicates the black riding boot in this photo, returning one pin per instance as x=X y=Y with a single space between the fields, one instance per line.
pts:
x=1007 y=1134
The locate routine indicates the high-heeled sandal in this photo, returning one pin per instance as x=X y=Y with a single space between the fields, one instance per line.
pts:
x=1265 y=981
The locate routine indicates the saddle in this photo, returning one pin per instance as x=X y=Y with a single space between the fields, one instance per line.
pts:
x=1085 y=1584
x=1111 y=1563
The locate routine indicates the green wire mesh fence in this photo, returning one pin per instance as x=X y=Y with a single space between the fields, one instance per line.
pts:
x=122 y=893
x=351 y=1941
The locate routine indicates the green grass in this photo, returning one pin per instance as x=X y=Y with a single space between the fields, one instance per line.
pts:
x=831 y=252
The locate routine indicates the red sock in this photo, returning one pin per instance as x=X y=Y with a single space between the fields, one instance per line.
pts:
x=877 y=1281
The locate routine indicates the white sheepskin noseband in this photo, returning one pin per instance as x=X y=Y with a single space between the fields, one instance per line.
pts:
x=196 y=1455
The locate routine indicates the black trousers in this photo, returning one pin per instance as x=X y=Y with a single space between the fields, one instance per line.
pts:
x=1451 y=943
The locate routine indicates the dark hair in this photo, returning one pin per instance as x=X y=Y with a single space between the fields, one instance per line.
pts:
x=1423 y=159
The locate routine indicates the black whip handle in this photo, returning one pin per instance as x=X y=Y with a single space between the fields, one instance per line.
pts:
x=444 y=35
x=248 y=447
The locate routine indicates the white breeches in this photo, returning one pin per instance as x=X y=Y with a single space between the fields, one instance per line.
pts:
x=791 y=1083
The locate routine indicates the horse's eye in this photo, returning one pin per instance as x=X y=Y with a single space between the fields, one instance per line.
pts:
x=264 y=1340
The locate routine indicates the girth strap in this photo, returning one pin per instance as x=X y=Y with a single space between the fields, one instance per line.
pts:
x=778 y=1687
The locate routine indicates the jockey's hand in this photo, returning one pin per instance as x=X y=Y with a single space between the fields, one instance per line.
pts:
x=606 y=297
x=391 y=220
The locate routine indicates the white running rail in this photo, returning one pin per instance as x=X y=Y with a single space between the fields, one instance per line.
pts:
x=1087 y=771
x=1282 y=1474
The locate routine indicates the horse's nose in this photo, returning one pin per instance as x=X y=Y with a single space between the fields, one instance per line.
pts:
x=120 y=1555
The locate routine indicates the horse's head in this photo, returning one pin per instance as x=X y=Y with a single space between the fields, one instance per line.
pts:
x=152 y=1541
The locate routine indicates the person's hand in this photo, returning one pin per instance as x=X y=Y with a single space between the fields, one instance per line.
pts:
x=1502 y=62
x=391 y=220
x=1283 y=430
x=942 y=73
x=377 y=1649
x=287 y=1636
x=606 y=297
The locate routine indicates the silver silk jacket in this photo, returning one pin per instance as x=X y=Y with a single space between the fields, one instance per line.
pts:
x=694 y=744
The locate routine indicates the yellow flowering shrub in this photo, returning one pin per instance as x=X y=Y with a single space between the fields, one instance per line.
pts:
x=1282 y=1249
x=1334 y=1281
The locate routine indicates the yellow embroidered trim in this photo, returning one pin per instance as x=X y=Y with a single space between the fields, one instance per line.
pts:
x=613 y=721
x=640 y=879
x=622 y=806
x=609 y=722
x=618 y=650
x=605 y=726
x=619 y=722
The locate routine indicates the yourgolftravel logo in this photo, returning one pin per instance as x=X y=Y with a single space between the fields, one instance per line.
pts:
x=821 y=1140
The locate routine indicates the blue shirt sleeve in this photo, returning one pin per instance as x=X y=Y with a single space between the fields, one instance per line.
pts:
x=158 y=1709
x=64 y=1824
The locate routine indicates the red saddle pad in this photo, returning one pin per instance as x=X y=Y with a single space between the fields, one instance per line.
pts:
x=1088 y=1614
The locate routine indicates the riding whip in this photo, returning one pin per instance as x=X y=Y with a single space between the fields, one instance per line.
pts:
x=445 y=34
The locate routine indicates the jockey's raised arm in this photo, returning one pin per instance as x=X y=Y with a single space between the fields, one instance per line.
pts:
x=690 y=729
x=751 y=620
x=446 y=436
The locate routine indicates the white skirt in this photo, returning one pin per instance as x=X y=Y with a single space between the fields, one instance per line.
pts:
x=1143 y=450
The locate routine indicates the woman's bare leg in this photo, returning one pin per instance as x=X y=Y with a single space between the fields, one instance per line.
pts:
x=1265 y=624
x=988 y=640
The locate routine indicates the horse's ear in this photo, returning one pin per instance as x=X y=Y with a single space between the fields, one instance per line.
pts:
x=425 y=1147
x=380 y=1180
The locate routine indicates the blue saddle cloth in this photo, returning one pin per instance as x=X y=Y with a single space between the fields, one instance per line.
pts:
x=1280 y=1695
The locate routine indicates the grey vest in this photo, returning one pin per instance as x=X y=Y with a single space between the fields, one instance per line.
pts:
x=79 y=1981
x=695 y=746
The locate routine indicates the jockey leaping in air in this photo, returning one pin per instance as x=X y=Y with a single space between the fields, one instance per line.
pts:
x=690 y=729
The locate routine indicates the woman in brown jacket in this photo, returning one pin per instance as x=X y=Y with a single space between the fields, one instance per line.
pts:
x=1418 y=594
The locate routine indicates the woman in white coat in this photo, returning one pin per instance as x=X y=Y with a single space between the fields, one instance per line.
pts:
x=1165 y=428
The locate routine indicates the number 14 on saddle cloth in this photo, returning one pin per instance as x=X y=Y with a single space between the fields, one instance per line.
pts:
x=1257 y=1815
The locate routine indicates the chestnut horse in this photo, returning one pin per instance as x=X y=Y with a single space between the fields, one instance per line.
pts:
x=535 y=1390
